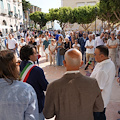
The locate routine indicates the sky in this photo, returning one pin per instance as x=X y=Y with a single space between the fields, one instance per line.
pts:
x=46 y=4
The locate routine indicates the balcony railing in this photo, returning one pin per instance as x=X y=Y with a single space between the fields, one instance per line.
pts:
x=3 y=11
x=10 y=13
x=16 y=15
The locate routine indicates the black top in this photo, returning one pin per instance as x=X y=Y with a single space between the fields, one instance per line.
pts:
x=67 y=45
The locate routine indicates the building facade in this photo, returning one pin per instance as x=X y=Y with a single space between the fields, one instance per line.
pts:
x=27 y=21
x=11 y=15
x=79 y=3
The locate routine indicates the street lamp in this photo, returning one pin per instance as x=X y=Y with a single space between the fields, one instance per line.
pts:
x=25 y=23
x=95 y=18
x=29 y=17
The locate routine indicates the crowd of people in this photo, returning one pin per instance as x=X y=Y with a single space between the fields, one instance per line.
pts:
x=54 y=44
x=73 y=96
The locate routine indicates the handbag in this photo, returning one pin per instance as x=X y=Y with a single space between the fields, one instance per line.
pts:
x=62 y=51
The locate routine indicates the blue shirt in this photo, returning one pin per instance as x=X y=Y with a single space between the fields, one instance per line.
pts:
x=18 y=101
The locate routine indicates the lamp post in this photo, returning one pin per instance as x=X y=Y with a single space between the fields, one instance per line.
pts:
x=95 y=18
x=29 y=17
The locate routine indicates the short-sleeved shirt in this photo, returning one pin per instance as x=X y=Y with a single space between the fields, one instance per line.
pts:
x=112 y=42
x=46 y=43
x=88 y=43
x=11 y=43
x=104 y=73
x=76 y=46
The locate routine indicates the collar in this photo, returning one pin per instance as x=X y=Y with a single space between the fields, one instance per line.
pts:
x=31 y=61
x=69 y=72
x=104 y=61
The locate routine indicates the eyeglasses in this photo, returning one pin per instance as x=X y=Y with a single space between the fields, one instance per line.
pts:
x=98 y=54
x=18 y=63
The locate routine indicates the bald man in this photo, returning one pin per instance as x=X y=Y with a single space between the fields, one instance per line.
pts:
x=74 y=96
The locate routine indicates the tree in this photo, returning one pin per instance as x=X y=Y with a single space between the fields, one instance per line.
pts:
x=39 y=17
x=26 y=5
x=64 y=16
x=109 y=13
x=53 y=14
x=85 y=16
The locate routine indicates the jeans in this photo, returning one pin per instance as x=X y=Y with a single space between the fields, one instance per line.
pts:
x=41 y=116
x=100 y=115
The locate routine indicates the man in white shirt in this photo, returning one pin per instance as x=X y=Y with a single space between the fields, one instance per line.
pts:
x=104 y=73
x=112 y=45
x=99 y=40
x=11 y=43
x=89 y=48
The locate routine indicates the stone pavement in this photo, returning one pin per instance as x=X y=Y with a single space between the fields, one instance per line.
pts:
x=52 y=73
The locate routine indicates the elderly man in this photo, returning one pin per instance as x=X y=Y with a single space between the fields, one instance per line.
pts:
x=112 y=45
x=104 y=73
x=90 y=48
x=99 y=40
x=74 y=96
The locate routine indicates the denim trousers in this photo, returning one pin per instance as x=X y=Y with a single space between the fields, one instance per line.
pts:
x=41 y=116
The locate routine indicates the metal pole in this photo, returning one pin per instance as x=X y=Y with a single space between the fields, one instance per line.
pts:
x=95 y=18
x=95 y=25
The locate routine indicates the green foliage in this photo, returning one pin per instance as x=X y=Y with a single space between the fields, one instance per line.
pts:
x=39 y=17
x=109 y=10
x=64 y=16
x=85 y=15
x=53 y=14
x=26 y=5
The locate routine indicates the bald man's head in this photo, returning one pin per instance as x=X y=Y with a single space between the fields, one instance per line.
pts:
x=73 y=58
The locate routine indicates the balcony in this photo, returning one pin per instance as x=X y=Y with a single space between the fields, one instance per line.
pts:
x=10 y=13
x=3 y=12
x=16 y=15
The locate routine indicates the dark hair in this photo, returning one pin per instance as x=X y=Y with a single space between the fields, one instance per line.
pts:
x=25 y=52
x=58 y=31
x=8 y=69
x=35 y=36
x=103 y=49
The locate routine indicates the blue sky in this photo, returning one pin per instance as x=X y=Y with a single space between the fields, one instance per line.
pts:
x=46 y=4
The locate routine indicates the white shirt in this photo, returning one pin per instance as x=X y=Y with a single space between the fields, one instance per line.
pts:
x=76 y=46
x=37 y=41
x=22 y=44
x=69 y=72
x=11 y=43
x=98 y=41
x=88 y=43
x=112 y=42
x=22 y=34
x=104 y=73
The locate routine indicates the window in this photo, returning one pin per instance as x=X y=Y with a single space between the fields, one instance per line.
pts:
x=19 y=13
x=14 y=9
x=8 y=5
x=1 y=4
x=91 y=3
x=80 y=4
